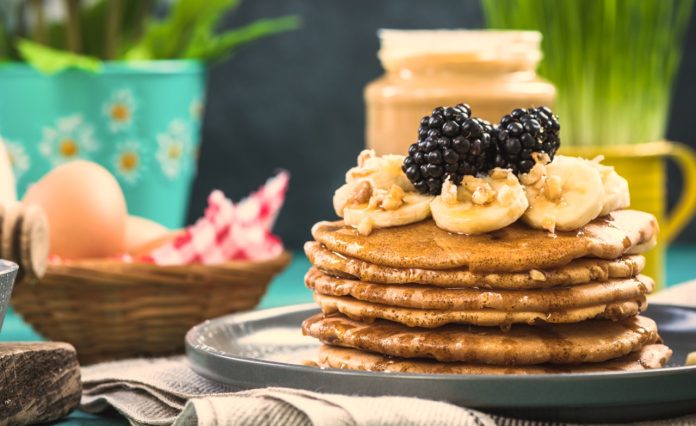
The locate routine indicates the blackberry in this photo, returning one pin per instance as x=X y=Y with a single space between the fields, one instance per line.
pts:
x=522 y=133
x=451 y=144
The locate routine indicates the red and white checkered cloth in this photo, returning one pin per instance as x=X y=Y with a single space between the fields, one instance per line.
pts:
x=230 y=231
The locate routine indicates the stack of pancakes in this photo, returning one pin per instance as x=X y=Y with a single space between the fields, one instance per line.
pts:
x=416 y=298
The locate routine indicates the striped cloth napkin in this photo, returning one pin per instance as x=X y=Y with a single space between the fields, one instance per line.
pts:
x=166 y=391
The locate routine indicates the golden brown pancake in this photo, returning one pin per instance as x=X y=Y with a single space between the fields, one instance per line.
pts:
x=578 y=271
x=429 y=318
x=513 y=248
x=426 y=297
x=588 y=341
x=648 y=357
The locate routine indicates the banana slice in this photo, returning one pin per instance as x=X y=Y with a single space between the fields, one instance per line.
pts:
x=377 y=194
x=616 y=193
x=381 y=171
x=351 y=193
x=372 y=173
x=386 y=209
x=563 y=195
x=480 y=205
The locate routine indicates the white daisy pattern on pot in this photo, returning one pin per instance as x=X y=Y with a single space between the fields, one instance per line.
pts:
x=119 y=110
x=128 y=161
x=173 y=146
x=197 y=108
x=71 y=138
x=19 y=159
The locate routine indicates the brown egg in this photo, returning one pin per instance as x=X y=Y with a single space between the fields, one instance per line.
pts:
x=86 y=210
x=143 y=235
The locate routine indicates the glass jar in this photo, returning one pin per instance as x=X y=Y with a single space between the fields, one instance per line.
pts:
x=492 y=71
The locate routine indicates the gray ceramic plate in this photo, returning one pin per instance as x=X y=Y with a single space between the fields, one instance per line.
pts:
x=266 y=348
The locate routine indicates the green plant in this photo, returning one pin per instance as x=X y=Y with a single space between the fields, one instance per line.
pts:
x=612 y=61
x=125 y=30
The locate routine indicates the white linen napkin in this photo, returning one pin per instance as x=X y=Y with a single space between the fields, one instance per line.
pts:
x=166 y=391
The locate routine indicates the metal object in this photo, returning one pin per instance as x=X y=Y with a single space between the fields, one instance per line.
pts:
x=266 y=348
x=8 y=273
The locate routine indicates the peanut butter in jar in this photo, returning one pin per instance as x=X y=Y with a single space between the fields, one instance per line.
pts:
x=492 y=71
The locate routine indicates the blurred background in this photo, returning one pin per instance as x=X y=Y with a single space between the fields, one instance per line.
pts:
x=170 y=100
x=296 y=101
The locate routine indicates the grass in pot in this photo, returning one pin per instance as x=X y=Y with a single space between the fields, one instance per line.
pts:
x=613 y=64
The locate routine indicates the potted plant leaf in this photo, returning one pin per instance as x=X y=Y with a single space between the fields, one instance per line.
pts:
x=614 y=64
x=109 y=81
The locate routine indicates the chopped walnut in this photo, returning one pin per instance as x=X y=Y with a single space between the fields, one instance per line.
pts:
x=394 y=198
x=537 y=275
x=390 y=203
x=529 y=178
x=499 y=173
x=471 y=183
x=535 y=175
x=541 y=158
x=598 y=273
x=481 y=191
x=361 y=193
x=483 y=194
x=449 y=192
x=378 y=195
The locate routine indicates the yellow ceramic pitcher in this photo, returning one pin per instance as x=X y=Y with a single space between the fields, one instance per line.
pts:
x=643 y=165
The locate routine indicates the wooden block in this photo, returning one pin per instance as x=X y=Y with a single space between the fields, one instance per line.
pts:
x=39 y=382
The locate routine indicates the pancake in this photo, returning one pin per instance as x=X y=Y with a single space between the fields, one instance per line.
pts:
x=425 y=297
x=588 y=341
x=513 y=248
x=578 y=271
x=428 y=318
x=646 y=358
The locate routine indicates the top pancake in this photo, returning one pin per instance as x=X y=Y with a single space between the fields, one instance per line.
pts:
x=514 y=248
x=579 y=271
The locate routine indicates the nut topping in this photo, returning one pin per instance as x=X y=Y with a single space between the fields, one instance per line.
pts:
x=394 y=198
x=361 y=193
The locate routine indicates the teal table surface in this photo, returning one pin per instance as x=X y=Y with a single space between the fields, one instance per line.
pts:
x=288 y=289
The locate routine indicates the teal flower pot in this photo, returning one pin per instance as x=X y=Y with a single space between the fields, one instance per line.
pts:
x=140 y=120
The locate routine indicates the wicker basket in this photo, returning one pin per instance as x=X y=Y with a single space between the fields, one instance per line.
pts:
x=111 y=310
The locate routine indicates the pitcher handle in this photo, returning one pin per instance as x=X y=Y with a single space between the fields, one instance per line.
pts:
x=685 y=158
